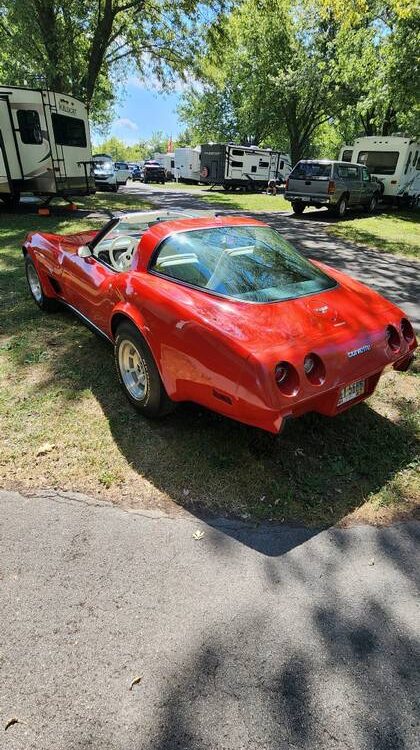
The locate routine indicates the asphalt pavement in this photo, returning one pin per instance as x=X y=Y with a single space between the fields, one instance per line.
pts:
x=267 y=638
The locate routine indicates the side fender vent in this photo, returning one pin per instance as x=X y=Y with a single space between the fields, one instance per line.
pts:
x=55 y=285
x=222 y=396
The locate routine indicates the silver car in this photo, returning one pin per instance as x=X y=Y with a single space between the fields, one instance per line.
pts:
x=334 y=184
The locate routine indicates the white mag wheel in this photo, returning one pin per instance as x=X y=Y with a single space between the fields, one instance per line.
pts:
x=34 y=283
x=133 y=370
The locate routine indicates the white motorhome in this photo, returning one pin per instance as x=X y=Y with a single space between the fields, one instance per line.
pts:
x=394 y=160
x=187 y=164
x=167 y=161
x=45 y=144
x=242 y=166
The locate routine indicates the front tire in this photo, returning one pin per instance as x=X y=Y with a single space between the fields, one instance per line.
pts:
x=298 y=207
x=47 y=304
x=138 y=375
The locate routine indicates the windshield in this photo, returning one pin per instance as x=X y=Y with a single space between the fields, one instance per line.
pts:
x=311 y=170
x=248 y=263
x=107 y=166
x=379 y=162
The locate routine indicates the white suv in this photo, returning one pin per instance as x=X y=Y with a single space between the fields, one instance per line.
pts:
x=122 y=171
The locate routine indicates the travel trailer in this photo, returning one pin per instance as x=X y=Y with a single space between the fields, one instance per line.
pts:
x=242 y=166
x=167 y=161
x=44 y=144
x=187 y=164
x=105 y=173
x=394 y=160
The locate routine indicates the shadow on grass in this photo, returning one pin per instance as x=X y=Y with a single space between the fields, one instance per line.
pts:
x=316 y=472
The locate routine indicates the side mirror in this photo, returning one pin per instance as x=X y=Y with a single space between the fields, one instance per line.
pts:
x=84 y=251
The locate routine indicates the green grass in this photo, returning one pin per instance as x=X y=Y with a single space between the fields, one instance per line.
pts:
x=58 y=385
x=235 y=200
x=396 y=233
x=246 y=201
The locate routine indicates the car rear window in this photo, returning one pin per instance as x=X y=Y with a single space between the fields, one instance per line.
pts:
x=311 y=170
x=248 y=263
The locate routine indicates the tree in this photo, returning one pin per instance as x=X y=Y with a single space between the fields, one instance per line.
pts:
x=377 y=64
x=83 y=47
x=283 y=70
x=272 y=86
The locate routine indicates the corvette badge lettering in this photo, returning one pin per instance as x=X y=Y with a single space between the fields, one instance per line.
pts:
x=361 y=350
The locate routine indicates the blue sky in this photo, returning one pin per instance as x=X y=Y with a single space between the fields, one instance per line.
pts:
x=142 y=112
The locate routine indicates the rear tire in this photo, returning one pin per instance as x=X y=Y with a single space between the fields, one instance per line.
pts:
x=11 y=201
x=371 y=206
x=138 y=375
x=340 y=209
x=298 y=207
x=47 y=304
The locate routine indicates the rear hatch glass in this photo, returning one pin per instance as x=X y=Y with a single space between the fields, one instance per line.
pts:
x=313 y=170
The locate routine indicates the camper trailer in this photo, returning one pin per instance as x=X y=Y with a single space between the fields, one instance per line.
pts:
x=394 y=160
x=187 y=164
x=242 y=166
x=44 y=144
x=167 y=161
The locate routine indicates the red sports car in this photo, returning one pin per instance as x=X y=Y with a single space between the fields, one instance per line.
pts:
x=223 y=312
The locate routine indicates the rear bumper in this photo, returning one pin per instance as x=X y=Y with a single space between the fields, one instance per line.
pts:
x=310 y=199
x=325 y=403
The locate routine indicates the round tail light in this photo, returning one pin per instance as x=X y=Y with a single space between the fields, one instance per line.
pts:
x=287 y=378
x=393 y=338
x=407 y=330
x=314 y=369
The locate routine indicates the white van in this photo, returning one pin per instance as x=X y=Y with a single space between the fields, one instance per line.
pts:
x=187 y=164
x=394 y=160
x=104 y=172
x=168 y=163
x=122 y=172
x=45 y=144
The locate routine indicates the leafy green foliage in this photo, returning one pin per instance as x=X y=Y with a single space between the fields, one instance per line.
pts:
x=83 y=47
x=316 y=74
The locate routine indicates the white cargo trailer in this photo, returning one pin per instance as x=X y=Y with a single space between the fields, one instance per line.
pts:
x=167 y=161
x=248 y=167
x=187 y=164
x=45 y=145
x=394 y=160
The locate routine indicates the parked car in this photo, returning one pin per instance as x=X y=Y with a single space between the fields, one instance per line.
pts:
x=122 y=172
x=223 y=312
x=334 y=184
x=104 y=173
x=137 y=174
x=153 y=172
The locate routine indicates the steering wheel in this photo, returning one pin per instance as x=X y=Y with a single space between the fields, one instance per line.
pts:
x=121 y=251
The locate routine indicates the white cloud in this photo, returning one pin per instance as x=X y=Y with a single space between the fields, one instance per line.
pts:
x=125 y=122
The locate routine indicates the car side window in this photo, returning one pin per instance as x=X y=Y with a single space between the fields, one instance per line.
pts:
x=347 y=172
x=365 y=175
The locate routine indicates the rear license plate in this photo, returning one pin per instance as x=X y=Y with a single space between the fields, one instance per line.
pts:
x=351 y=391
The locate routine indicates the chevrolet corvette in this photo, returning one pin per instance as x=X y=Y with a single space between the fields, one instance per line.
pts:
x=221 y=311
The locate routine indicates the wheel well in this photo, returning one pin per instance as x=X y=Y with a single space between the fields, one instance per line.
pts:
x=119 y=318
x=345 y=195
